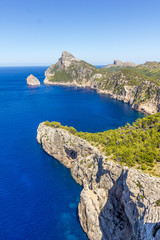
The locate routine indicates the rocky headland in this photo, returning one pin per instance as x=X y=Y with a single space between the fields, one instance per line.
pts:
x=116 y=202
x=32 y=80
x=127 y=84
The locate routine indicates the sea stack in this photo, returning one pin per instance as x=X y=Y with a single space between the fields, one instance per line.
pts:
x=32 y=80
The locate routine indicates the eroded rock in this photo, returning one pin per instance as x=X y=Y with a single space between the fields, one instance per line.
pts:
x=116 y=202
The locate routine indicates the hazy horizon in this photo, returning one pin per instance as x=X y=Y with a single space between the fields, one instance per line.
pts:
x=48 y=65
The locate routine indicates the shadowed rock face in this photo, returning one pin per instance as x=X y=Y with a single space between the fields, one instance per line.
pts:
x=116 y=202
x=114 y=222
x=32 y=80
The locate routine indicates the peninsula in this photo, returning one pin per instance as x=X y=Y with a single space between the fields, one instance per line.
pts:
x=134 y=85
x=118 y=201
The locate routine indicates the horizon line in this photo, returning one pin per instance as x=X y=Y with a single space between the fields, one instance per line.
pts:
x=41 y=65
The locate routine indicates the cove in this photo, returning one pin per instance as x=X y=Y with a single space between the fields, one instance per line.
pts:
x=38 y=197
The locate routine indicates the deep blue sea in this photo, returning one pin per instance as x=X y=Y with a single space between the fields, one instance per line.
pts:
x=38 y=197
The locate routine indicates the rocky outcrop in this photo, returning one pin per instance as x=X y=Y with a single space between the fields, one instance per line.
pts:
x=118 y=63
x=125 y=85
x=68 y=70
x=32 y=80
x=116 y=202
x=67 y=59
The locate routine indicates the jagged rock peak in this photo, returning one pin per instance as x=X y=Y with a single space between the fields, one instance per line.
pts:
x=67 y=54
x=66 y=59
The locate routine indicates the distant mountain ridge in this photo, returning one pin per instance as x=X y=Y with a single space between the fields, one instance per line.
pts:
x=118 y=63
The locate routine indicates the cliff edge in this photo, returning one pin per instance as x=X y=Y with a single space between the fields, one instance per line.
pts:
x=116 y=202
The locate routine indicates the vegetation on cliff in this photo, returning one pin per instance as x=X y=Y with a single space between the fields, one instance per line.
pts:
x=134 y=145
x=138 y=85
x=80 y=70
x=77 y=70
x=149 y=71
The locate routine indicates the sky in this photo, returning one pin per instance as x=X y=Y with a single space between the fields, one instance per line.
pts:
x=35 y=32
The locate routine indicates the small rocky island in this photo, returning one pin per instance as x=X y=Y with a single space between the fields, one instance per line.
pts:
x=32 y=80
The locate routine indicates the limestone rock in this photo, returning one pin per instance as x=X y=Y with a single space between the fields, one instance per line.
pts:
x=116 y=202
x=32 y=80
x=67 y=59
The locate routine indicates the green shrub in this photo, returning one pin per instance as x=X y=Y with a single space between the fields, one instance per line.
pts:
x=90 y=165
x=139 y=185
x=158 y=202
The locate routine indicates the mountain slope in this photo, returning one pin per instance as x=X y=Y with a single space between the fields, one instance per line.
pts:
x=150 y=69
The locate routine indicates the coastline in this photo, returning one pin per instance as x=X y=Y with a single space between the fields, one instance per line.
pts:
x=143 y=108
x=116 y=201
x=105 y=184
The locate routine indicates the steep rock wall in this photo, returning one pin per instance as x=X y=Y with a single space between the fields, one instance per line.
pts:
x=116 y=202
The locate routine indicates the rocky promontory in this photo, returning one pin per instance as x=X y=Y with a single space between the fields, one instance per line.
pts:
x=128 y=85
x=32 y=80
x=116 y=202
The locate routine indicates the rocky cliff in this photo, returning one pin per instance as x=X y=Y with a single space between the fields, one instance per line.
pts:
x=126 y=85
x=116 y=202
x=32 y=80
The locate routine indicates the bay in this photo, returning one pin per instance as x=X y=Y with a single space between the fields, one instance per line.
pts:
x=38 y=197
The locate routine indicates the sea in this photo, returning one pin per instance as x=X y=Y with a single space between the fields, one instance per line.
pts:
x=38 y=197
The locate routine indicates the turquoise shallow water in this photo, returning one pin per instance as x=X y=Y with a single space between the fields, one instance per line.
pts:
x=38 y=197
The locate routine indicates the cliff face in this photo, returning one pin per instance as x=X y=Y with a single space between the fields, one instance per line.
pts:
x=116 y=202
x=125 y=85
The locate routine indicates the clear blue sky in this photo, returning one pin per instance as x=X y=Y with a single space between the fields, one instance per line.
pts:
x=35 y=32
